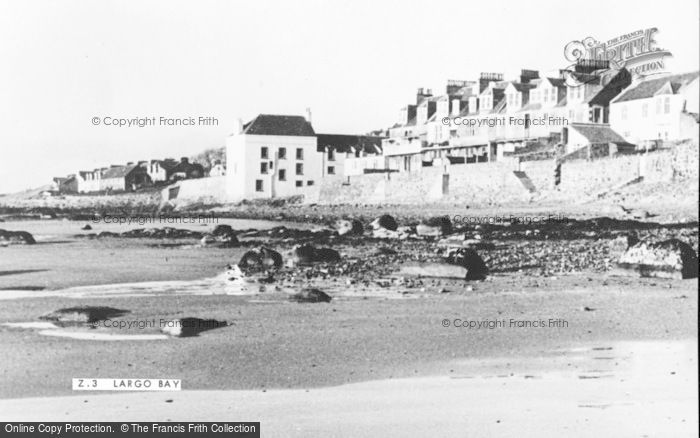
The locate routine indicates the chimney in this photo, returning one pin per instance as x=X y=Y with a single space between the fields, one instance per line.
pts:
x=308 y=115
x=130 y=163
x=486 y=78
x=112 y=166
x=528 y=75
x=239 y=125
x=454 y=86
x=421 y=94
x=184 y=160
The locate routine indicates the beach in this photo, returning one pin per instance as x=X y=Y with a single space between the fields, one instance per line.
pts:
x=587 y=352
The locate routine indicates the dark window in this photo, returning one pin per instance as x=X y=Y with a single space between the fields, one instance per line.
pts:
x=300 y=169
x=282 y=153
x=263 y=152
x=309 y=183
x=299 y=183
x=300 y=154
x=258 y=185
x=331 y=170
x=282 y=174
x=263 y=168
x=331 y=155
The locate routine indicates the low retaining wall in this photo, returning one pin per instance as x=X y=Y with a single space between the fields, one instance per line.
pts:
x=495 y=183
x=206 y=190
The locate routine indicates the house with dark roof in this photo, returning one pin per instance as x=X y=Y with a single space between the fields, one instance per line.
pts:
x=589 y=136
x=276 y=156
x=186 y=170
x=589 y=101
x=272 y=156
x=127 y=178
x=64 y=185
x=336 y=149
x=161 y=170
x=658 y=109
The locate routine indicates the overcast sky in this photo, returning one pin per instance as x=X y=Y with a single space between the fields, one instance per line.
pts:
x=354 y=63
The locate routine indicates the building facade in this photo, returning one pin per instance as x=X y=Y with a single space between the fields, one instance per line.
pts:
x=272 y=156
x=658 y=109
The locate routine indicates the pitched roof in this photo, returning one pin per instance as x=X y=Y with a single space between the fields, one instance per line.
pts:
x=557 y=82
x=345 y=143
x=118 y=171
x=270 y=124
x=166 y=164
x=647 y=88
x=596 y=133
x=522 y=87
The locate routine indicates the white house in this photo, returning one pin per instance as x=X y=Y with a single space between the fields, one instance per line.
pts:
x=272 y=156
x=217 y=169
x=336 y=150
x=662 y=108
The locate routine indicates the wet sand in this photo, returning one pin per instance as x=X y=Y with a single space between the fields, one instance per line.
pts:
x=619 y=389
x=376 y=361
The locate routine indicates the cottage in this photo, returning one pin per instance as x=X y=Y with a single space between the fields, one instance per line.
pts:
x=336 y=149
x=186 y=170
x=161 y=170
x=125 y=178
x=658 y=109
x=68 y=184
x=217 y=169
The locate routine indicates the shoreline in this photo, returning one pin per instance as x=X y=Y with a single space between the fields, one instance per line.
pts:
x=630 y=399
x=272 y=343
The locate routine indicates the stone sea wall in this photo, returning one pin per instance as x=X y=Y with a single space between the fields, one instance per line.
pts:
x=496 y=183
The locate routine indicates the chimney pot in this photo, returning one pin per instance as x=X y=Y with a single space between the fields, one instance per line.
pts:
x=308 y=115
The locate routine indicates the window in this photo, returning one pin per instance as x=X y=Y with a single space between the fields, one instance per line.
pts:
x=300 y=169
x=300 y=154
x=282 y=153
x=258 y=185
x=667 y=105
x=263 y=152
x=282 y=174
x=658 y=106
x=331 y=170
x=331 y=155
x=546 y=94
x=645 y=110
x=263 y=168
x=299 y=183
x=623 y=114
x=309 y=183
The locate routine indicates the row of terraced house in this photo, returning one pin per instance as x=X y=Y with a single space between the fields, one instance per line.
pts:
x=491 y=119
x=131 y=176
x=474 y=121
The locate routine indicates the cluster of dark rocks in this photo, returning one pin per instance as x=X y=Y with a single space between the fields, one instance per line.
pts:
x=8 y=237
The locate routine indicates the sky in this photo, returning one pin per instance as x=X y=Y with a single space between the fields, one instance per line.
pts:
x=353 y=63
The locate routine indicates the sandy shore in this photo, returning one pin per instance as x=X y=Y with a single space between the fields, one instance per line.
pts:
x=619 y=389
x=376 y=361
